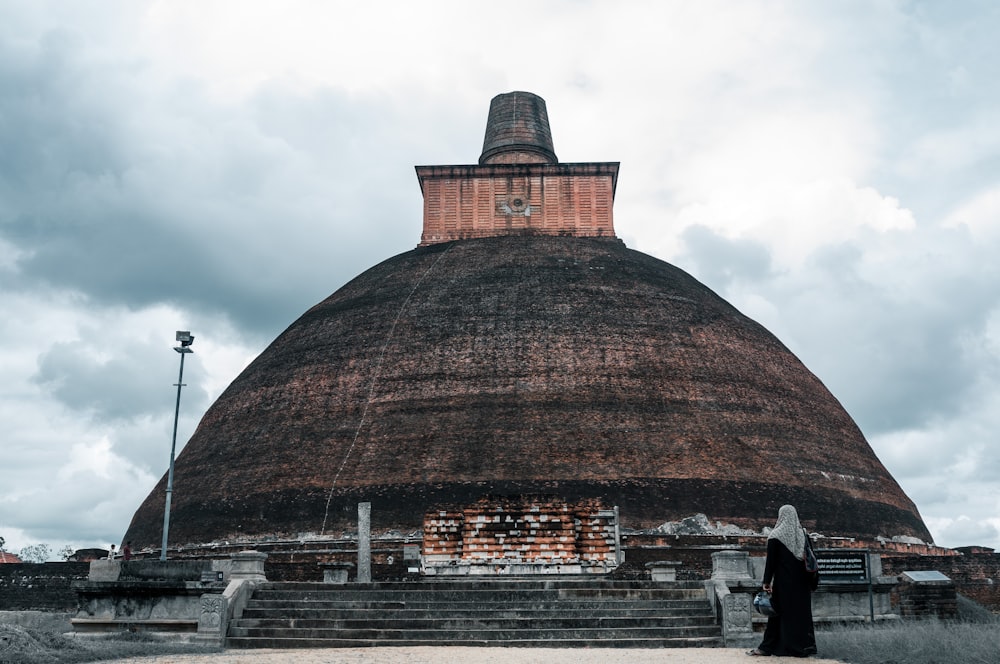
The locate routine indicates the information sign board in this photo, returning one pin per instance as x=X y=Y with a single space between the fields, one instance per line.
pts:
x=840 y=566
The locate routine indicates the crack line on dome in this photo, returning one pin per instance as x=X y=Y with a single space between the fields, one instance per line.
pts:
x=375 y=377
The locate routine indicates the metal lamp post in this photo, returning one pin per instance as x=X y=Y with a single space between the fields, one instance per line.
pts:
x=186 y=339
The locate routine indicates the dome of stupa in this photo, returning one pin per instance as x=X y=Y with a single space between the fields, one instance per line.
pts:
x=522 y=349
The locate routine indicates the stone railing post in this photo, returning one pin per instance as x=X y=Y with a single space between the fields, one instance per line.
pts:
x=219 y=609
x=731 y=566
x=213 y=619
x=249 y=566
x=732 y=586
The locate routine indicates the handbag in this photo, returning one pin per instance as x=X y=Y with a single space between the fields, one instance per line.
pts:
x=763 y=606
x=809 y=558
x=811 y=563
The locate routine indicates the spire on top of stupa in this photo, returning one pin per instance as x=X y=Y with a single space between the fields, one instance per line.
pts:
x=517 y=131
x=518 y=187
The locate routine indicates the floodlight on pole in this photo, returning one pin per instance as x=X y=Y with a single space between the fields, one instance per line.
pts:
x=186 y=339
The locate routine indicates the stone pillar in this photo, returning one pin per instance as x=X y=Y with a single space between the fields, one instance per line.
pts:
x=619 y=557
x=364 y=542
x=249 y=566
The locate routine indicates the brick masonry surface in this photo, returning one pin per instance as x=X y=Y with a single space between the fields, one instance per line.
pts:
x=40 y=586
x=463 y=202
x=917 y=601
x=559 y=366
x=539 y=530
x=976 y=575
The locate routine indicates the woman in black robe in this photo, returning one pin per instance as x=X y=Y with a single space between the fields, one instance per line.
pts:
x=790 y=633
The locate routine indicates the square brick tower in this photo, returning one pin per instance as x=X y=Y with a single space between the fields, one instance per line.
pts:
x=519 y=187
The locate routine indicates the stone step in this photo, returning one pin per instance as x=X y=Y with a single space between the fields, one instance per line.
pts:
x=540 y=613
x=287 y=643
x=478 y=615
x=479 y=595
x=507 y=583
x=484 y=621
x=436 y=604
x=469 y=634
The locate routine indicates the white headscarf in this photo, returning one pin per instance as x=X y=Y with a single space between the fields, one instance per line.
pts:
x=789 y=531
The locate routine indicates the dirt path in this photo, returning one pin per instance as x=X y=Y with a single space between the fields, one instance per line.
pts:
x=461 y=655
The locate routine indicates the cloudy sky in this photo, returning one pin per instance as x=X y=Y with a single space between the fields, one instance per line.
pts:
x=831 y=168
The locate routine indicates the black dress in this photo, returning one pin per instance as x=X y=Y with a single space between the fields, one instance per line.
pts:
x=790 y=633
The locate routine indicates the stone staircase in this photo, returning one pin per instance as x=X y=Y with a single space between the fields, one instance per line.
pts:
x=528 y=612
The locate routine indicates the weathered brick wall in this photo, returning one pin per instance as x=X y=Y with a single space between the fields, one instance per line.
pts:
x=464 y=202
x=503 y=366
x=40 y=586
x=976 y=575
x=916 y=600
x=696 y=563
x=542 y=528
x=387 y=565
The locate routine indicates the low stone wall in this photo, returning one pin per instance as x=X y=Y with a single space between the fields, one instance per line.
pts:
x=696 y=563
x=976 y=575
x=927 y=595
x=40 y=586
x=47 y=586
x=190 y=599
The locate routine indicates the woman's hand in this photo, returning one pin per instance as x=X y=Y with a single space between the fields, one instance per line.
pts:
x=767 y=588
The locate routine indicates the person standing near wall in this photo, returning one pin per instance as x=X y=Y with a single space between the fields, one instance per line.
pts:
x=790 y=633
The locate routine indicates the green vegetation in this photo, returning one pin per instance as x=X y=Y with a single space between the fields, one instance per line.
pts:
x=35 y=553
x=973 y=640
x=20 y=645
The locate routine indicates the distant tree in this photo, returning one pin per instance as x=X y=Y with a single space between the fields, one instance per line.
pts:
x=35 y=553
x=66 y=552
x=2 y=542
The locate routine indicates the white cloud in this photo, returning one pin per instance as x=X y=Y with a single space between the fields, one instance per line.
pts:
x=980 y=215
x=942 y=151
x=94 y=459
x=220 y=166
x=795 y=219
x=963 y=528
x=85 y=443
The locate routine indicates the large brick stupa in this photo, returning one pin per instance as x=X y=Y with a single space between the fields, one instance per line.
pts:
x=521 y=349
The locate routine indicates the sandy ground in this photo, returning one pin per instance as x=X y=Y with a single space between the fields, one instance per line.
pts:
x=461 y=655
